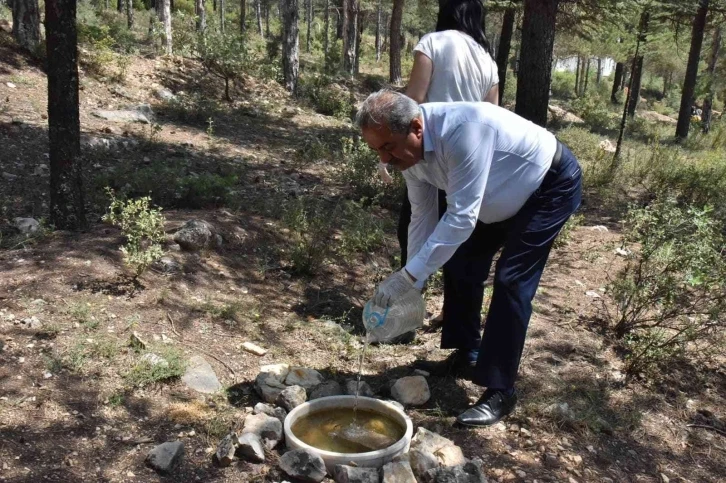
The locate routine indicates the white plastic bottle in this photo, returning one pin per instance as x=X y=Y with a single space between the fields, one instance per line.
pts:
x=385 y=323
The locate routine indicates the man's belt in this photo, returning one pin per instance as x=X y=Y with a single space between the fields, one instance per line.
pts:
x=557 y=157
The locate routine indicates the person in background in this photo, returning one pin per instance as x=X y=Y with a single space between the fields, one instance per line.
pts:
x=510 y=185
x=453 y=64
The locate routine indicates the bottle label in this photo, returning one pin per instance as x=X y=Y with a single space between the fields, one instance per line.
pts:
x=373 y=319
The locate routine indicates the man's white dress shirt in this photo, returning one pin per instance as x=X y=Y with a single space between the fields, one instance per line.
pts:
x=487 y=159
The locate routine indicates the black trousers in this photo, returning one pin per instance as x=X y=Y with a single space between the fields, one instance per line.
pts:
x=463 y=292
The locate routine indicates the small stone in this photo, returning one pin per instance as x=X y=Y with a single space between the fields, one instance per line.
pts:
x=664 y=478
x=398 y=472
x=200 y=376
x=268 y=428
x=47 y=375
x=164 y=457
x=304 y=377
x=253 y=349
x=577 y=459
x=521 y=473
x=31 y=323
x=525 y=432
x=326 y=389
x=250 y=448
x=622 y=252
x=443 y=449
x=121 y=116
x=137 y=342
x=271 y=381
x=155 y=360
x=27 y=226
x=274 y=411
x=292 y=397
x=601 y=228
x=10 y=85
x=592 y=294
x=469 y=472
x=421 y=462
x=514 y=428
x=560 y=410
x=303 y=466
x=421 y=372
x=571 y=480
x=364 y=390
x=411 y=391
x=591 y=449
x=353 y=474
x=551 y=460
x=225 y=450
x=164 y=94
x=196 y=235
x=169 y=266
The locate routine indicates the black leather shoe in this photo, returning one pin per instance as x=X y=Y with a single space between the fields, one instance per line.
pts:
x=457 y=364
x=489 y=409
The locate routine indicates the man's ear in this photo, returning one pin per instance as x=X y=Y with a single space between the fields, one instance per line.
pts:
x=417 y=127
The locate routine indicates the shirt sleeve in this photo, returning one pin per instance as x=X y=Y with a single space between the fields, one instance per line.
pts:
x=468 y=153
x=425 y=46
x=424 y=214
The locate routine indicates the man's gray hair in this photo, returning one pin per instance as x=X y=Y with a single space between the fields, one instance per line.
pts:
x=387 y=108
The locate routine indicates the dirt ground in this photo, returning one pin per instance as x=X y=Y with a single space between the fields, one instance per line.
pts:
x=68 y=414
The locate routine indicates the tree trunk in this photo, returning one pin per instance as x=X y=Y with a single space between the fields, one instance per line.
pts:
x=120 y=6
x=130 y=14
x=587 y=77
x=309 y=21
x=636 y=72
x=623 y=120
x=64 y=127
x=340 y=12
x=626 y=76
x=598 y=77
x=290 y=43
x=617 y=81
x=221 y=7
x=577 y=76
x=326 y=33
x=165 y=17
x=708 y=101
x=201 y=16
x=267 y=19
x=258 y=15
x=538 y=36
x=386 y=31
x=379 y=16
x=350 y=34
x=395 y=43
x=689 y=83
x=358 y=38
x=242 y=15
x=26 y=23
x=505 y=43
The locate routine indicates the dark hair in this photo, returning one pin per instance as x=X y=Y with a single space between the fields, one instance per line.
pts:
x=466 y=16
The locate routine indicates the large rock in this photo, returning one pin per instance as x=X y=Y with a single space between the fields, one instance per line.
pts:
x=249 y=448
x=164 y=457
x=469 y=472
x=27 y=226
x=200 y=376
x=303 y=466
x=196 y=235
x=326 y=389
x=443 y=449
x=122 y=116
x=291 y=397
x=270 y=382
x=304 y=377
x=421 y=462
x=398 y=472
x=563 y=115
x=411 y=391
x=274 y=411
x=164 y=94
x=226 y=449
x=353 y=474
x=268 y=428
x=365 y=389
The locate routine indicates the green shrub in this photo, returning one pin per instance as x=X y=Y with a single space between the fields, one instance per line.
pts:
x=311 y=226
x=326 y=96
x=205 y=190
x=563 y=85
x=671 y=295
x=594 y=111
x=143 y=228
x=362 y=232
x=144 y=372
x=224 y=55
x=358 y=170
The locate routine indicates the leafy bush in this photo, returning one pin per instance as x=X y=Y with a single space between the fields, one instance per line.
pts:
x=224 y=55
x=594 y=111
x=358 y=170
x=361 y=231
x=563 y=84
x=311 y=227
x=146 y=372
x=143 y=228
x=326 y=96
x=204 y=190
x=671 y=295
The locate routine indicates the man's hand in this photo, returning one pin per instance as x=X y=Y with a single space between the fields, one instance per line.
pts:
x=392 y=288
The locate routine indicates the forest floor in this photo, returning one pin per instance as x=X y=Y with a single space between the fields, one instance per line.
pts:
x=68 y=413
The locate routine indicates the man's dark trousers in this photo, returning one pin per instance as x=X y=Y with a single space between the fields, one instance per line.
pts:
x=526 y=240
